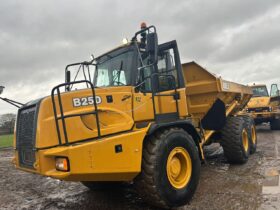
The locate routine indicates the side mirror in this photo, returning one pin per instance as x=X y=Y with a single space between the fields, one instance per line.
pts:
x=152 y=46
x=68 y=79
x=68 y=76
x=1 y=89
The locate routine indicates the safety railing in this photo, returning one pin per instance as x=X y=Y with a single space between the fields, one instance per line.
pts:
x=62 y=117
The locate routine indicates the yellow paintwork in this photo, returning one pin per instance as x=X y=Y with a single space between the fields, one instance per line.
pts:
x=272 y=103
x=143 y=106
x=254 y=134
x=256 y=102
x=96 y=158
x=245 y=140
x=262 y=115
x=114 y=117
x=179 y=167
x=204 y=88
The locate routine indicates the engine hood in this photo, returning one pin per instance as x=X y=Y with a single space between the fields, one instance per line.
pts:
x=114 y=113
x=258 y=102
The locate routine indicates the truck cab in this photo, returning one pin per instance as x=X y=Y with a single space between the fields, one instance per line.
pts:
x=264 y=107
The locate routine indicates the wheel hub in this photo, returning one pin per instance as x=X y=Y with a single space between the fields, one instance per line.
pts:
x=179 y=167
x=175 y=167
x=245 y=140
x=253 y=133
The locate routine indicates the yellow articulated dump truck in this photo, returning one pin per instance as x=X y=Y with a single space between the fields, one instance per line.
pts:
x=135 y=114
x=264 y=107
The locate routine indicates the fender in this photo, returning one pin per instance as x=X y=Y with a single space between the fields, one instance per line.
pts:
x=186 y=124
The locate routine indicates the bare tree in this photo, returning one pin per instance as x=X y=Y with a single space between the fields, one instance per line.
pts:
x=7 y=122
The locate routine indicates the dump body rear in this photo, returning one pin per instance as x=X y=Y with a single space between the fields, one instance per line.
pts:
x=210 y=99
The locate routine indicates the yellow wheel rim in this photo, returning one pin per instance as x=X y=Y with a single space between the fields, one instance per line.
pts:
x=253 y=133
x=245 y=140
x=179 y=167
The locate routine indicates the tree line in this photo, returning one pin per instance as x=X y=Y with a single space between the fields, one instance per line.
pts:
x=7 y=123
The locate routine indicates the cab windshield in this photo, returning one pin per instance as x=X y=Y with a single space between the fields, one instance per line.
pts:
x=260 y=91
x=114 y=69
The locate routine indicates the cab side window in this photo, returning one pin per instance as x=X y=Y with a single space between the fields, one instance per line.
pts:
x=164 y=74
x=274 y=90
x=167 y=71
x=145 y=76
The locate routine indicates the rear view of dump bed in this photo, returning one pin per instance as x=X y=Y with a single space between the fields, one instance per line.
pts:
x=204 y=88
x=210 y=99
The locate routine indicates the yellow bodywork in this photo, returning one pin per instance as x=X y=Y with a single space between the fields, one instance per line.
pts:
x=264 y=108
x=256 y=102
x=95 y=158
x=204 y=88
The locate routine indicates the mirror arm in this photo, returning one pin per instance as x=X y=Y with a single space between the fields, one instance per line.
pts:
x=12 y=102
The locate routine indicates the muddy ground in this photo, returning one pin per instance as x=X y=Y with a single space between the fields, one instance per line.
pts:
x=254 y=185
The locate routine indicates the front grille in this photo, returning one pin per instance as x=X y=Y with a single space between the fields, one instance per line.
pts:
x=26 y=133
x=259 y=109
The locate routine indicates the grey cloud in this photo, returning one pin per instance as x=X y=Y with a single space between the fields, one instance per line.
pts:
x=38 y=38
x=257 y=39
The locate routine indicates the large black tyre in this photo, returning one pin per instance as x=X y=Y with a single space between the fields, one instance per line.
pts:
x=156 y=184
x=275 y=124
x=102 y=185
x=251 y=131
x=235 y=140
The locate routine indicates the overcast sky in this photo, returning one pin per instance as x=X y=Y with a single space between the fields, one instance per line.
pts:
x=239 y=40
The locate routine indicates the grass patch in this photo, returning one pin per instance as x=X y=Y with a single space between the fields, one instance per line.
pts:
x=6 y=140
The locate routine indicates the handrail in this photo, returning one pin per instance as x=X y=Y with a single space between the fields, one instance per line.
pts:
x=62 y=117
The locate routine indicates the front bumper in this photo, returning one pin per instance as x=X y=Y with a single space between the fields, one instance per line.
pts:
x=260 y=117
x=97 y=160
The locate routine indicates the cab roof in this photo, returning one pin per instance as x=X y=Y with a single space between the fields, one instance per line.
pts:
x=258 y=85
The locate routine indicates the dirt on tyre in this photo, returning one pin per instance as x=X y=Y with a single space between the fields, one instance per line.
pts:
x=251 y=131
x=235 y=141
x=95 y=186
x=170 y=169
x=275 y=124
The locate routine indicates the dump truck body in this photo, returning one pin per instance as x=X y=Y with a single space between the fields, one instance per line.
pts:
x=264 y=107
x=210 y=99
x=138 y=115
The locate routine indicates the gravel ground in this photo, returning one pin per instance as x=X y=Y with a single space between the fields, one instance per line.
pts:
x=254 y=185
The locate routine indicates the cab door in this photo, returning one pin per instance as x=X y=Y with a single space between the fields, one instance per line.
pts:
x=162 y=94
x=274 y=91
x=274 y=96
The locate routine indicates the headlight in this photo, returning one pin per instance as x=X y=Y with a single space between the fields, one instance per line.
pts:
x=62 y=164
